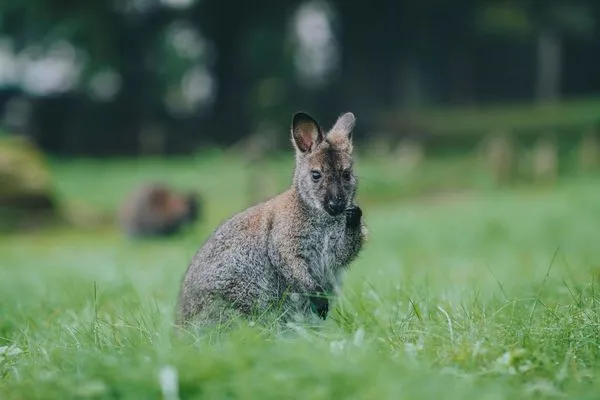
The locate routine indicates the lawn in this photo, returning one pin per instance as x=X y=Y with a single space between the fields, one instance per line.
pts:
x=483 y=294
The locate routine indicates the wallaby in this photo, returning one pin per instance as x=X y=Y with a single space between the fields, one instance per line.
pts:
x=153 y=209
x=288 y=251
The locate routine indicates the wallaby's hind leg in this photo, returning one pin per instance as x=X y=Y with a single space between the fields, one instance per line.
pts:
x=210 y=313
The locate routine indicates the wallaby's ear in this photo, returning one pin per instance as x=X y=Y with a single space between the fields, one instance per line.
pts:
x=306 y=132
x=341 y=133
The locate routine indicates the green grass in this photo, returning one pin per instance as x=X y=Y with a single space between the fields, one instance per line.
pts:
x=525 y=117
x=486 y=296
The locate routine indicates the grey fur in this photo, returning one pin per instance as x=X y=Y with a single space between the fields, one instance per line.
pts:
x=289 y=248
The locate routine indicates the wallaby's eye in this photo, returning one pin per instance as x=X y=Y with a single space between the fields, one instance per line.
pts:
x=347 y=175
x=316 y=175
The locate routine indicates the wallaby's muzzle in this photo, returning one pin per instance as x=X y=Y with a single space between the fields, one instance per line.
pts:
x=335 y=205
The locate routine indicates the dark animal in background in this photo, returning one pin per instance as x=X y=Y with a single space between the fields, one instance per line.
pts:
x=156 y=210
x=286 y=254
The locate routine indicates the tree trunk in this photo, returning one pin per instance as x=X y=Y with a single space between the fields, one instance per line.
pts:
x=549 y=65
x=409 y=90
x=367 y=76
x=229 y=117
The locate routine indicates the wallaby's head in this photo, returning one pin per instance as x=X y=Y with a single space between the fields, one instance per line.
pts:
x=324 y=176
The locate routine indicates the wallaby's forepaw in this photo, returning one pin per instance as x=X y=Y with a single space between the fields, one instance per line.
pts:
x=353 y=216
x=320 y=305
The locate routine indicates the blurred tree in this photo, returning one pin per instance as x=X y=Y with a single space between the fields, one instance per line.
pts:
x=110 y=77
x=392 y=51
x=545 y=22
x=240 y=34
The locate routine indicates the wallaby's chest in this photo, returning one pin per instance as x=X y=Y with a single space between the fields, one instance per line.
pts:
x=321 y=248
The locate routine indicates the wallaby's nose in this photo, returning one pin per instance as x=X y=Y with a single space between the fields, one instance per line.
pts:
x=335 y=206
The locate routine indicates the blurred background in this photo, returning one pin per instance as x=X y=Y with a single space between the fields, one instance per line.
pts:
x=448 y=95
x=478 y=155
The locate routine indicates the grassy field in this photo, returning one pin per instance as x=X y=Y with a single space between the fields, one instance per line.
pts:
x=485 y=294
